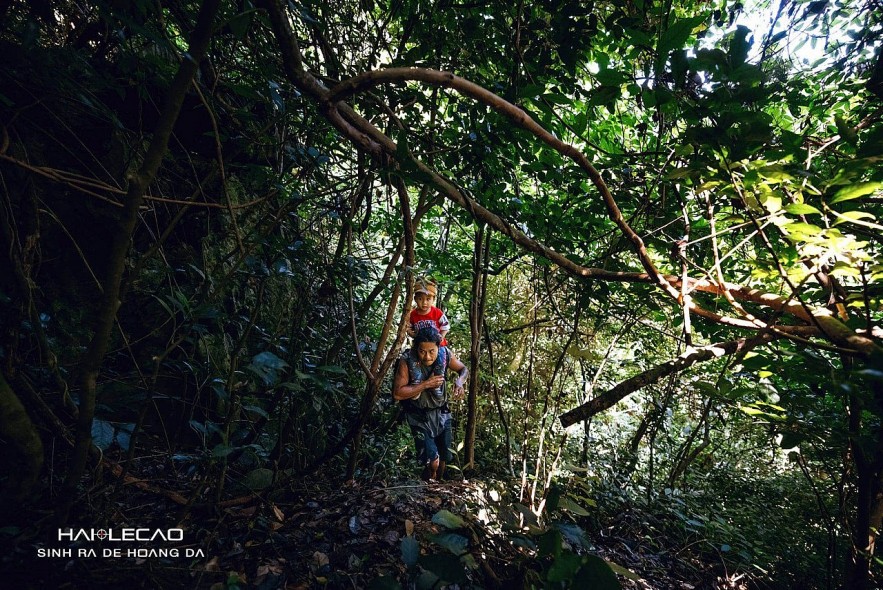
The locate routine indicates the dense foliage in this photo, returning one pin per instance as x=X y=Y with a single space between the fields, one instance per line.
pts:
x=655 y=225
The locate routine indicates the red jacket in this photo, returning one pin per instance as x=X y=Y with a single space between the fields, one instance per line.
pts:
x=435 y=318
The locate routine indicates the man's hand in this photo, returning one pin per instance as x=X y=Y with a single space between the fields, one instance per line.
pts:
x=433 y=382
x=458 y=389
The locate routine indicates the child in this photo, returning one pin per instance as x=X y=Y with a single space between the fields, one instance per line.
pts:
x=426 y=314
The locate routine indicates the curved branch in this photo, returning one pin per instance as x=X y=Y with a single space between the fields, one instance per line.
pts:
x=480 y=213
x=368 y=137
x=650 y=376
x=521 y=119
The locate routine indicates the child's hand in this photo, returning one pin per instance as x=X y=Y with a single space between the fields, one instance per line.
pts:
x=410 y=331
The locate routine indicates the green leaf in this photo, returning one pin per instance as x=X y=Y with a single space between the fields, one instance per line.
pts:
x=802 y=209
x=564 y=567
x=426 y=581
x=245 y=91
x=445 y=566
x=256 y=410
x=574 y=534
x=410 y=551
x=102 y=434
x=739 y=45
x=453 y=542
x=846 y=131
x=844 y=269
x=847 y=216
x=571 y=506
x=800 y=230
x=817 y=7
x=124 y=435
x=524 y=542
x=679 y=173
x=221 y=450
x=259 y=479
x=267 y=366
x=791 y=440
x=677 y=33
x=448 y=520
x=871 y=142
x=596 y=574
x=605 y=95
x=582 y=353
x=856 y=191
x=403 y=152
x=240 y=23
x=581 y=123
x=775 y=173
x=771 y=201
x=527 y=513
x=610 y=77
x=553 y=497
x=530 y=91
x=384 y=583
x=550 y=543
x=625 y=572
x=754 y=411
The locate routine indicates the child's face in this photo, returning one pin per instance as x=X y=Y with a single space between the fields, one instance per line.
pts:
x=424 y=302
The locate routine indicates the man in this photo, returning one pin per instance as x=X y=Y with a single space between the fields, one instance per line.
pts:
x=419 y=384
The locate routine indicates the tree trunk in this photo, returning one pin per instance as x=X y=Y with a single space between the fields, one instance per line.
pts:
x=635 y=443
x=476 y=321
x=687 y=454
x=19 y=433
x=869 y=488
x=507 y=437
x=526 y=426
x=857 y=578
x=138 y=184
x=380 y=363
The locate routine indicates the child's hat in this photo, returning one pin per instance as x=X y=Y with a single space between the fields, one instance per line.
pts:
x=425 y=285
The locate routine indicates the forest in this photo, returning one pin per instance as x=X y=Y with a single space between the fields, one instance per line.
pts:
x=656 y=229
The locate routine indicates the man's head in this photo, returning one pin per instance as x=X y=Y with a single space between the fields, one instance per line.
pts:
x=426 y=343
x=425 y=290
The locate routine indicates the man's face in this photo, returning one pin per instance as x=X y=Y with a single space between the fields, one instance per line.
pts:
x=424 y=302
x=427 y=352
